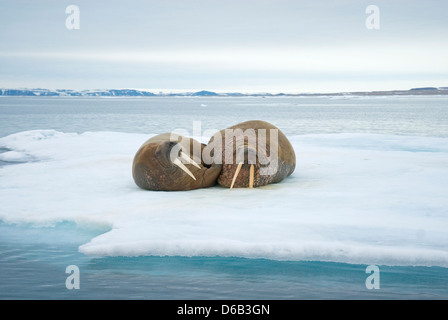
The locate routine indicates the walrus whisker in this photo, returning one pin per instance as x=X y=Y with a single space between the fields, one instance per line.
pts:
x=236 y=174
x=251 y=177
x=178 y=163
x=184 y=156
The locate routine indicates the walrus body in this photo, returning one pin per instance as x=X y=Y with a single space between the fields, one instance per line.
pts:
x=265 y=155
x=169 y=162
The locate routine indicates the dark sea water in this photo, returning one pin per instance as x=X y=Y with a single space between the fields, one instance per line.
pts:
x=33 y=259
x=405 y=115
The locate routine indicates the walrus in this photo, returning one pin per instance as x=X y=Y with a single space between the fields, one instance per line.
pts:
x=252 y=153
x=169 y=162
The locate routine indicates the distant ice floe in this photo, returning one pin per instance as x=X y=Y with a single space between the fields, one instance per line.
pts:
x=14 y=156
x=356 y=198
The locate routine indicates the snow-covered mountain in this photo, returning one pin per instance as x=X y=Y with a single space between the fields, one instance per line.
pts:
x=68 y=92
x=145 y=93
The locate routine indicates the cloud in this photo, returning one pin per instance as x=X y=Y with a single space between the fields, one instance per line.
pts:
x=385 y=58
x=191 y=43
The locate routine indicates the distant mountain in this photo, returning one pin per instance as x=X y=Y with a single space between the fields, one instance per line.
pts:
x=204 y=93
x=426 y=88
x=128 y=92
x=28 y=92
x=75 y=93
x=96 y=93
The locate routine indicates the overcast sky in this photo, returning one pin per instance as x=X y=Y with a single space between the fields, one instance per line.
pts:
x=227 y=45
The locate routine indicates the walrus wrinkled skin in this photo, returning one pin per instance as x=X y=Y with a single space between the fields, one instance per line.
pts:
x=153 y=167
x=274 y=154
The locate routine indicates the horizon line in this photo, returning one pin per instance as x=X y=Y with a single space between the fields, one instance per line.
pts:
x=208 y=92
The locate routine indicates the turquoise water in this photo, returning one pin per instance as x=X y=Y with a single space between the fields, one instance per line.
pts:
x=33 y=259
x=33 y=263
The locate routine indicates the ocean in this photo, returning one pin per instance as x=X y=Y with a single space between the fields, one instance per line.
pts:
x=369 y=193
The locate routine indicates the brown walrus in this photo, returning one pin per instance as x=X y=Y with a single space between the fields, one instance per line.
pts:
x=254 y=153
x=169 y=162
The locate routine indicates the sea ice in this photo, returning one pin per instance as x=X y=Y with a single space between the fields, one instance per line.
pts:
x=356 y=198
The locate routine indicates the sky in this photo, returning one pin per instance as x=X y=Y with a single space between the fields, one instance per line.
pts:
x=289 y=46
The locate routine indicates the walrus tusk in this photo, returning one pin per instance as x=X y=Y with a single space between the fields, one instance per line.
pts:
x=184 y=156
x=236 y=174
x=251 y=177
x=178 y=163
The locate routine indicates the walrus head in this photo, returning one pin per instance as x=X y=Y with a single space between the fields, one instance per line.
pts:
x=254 y=153
x=170 y=162
x=243 y=165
